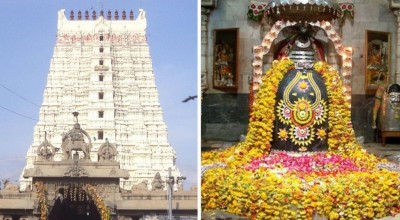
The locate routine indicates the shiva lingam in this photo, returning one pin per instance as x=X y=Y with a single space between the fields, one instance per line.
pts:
x=301 y=106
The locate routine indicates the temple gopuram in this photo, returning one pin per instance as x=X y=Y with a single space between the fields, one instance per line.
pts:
x=298 y=87
x=100 y=149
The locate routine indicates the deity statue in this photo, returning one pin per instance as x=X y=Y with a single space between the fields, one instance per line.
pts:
x=107 y=152
x=140 y=187
x=74 y=140
x=377 y=70
x=46 y=151
x=380 y=91
x=223 y=64
x=158 y=183
x=10 y=187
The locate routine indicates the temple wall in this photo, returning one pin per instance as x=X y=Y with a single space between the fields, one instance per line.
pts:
x=225 y=113
x=233 y=14
x=372 y=15
x=224 y=116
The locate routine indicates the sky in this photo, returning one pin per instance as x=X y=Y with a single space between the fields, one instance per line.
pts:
x=28 y=36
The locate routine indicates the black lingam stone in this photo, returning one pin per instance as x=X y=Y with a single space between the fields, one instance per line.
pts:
x=301 y=110
x=301 y=122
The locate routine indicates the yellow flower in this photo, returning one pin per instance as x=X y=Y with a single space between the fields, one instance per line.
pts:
x=303 y=85
x=263 y=194
x=321 y=133
x=283 y=134
x=333 y=215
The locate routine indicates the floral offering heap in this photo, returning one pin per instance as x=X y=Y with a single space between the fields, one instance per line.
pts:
x=256 y=182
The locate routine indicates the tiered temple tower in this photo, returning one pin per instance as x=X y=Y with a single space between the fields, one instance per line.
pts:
x=101 y=67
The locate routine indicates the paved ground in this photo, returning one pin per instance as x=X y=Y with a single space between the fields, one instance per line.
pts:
x=390 y=151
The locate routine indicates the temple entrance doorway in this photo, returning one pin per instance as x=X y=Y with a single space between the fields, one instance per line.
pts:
x=74 y=203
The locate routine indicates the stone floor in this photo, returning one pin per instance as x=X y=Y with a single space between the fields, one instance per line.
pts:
x=391 y=152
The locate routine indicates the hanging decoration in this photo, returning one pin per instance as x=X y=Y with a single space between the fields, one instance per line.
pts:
x=41 y=194
x=101 y=206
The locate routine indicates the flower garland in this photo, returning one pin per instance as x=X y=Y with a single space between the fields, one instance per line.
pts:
x=251 y=97
x=261 y=120
x=101 y=206
x=341 y=137
x=274 y=190
x=42 y=197
x=341 y=132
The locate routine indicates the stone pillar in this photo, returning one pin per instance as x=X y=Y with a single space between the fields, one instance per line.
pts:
x=205 y=12
x=396 y=76
x=206 y=7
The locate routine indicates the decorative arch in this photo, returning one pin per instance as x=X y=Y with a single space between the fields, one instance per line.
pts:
x=69 y=133
x=264 y=48
x=70 y=196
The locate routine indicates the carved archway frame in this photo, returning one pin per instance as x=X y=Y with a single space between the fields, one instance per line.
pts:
x=263 y=49
x=43 y=207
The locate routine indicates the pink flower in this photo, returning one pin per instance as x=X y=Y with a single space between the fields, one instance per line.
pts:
x=318 y=163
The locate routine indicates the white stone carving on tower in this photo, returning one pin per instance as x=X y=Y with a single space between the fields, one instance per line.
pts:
x=101 y=68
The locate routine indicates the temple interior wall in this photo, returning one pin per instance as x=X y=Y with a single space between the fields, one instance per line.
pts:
x=225 y=113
